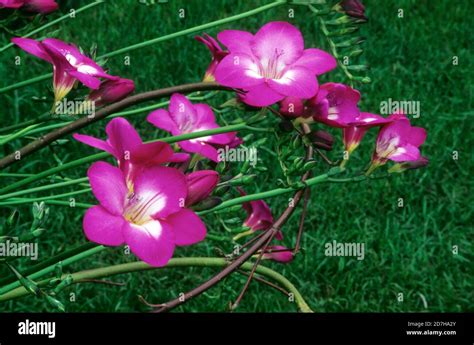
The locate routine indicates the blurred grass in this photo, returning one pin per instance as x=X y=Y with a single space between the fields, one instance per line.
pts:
x=408 y=249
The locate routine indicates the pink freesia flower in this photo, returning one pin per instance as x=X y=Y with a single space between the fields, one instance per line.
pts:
x=111 y=91
x=259 y=215
x=335 y=105
x=184 y=117
x=147 y=215
x=11 y=3
x=272 y=64
x=68 y=63
x=397 y=141
x=41 y=6
x=200 y=185
x=124 y=143
x=217 y=55
x=353 y=134
x=279 y=254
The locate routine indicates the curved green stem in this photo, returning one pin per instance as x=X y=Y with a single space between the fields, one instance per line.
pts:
x=104 y=272
x=52 y=268
x=157 y=40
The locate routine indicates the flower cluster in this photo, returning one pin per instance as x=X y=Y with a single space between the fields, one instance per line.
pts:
x=145 y=201
x=40 y=6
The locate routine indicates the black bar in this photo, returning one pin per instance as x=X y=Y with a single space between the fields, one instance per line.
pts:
x=239 y=328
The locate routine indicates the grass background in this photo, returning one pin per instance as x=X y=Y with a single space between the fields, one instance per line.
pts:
x=408 y=249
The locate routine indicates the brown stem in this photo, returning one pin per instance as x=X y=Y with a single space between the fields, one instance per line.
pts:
x=104 y=112
x=266 y=282
x=233 y=266
x=301 y=225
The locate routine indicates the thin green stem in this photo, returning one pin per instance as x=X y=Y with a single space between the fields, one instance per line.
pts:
x=54 y=22
x=157 y=40
x=43 y=188
x=268 y=194
x=18 y=201
x=104 y=272
x=52 y=268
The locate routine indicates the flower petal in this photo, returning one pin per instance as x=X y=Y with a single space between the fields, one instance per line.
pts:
x=206 y=120
x=297 y=82
x=151 y=153
x=152 y=242
x=236 y=41
x=164 y=188
x=108 y=185
x=33 y=47
x=122 y=136
x=317 y=61
x=200 y=147
x=405 y=153
x=238 y=70
x=161 y=119
x=100 y=226
x=88 y=80
x=188 y=228
x=281 y=37
x=181 y=110
x=261 y=96
x=94 y=142
x=417 y=136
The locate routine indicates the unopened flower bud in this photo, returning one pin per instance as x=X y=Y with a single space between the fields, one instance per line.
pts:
x=111 y=91
x=401 y=167
x=322 y=140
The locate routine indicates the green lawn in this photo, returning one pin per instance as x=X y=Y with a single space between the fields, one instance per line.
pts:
x=409 y=249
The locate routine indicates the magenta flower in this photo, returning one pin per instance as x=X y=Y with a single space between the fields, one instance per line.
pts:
x=217 y=55
x=68 y=63
x=111 y=91
x=11 y=3
x=259 y=215
x=147 y=215
x=397 y=141
x=200 y=185
x=279 y=254
x=124 y=143
x=184 y=117
x=353 y=134
x=335 y=105
x=272 y=64
x=41 y=6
